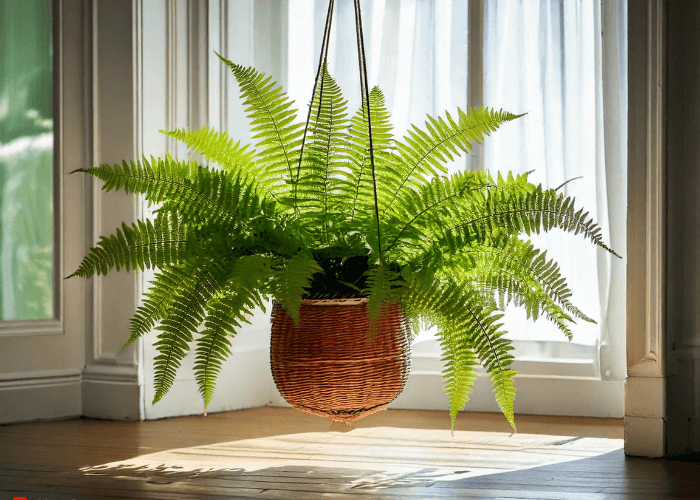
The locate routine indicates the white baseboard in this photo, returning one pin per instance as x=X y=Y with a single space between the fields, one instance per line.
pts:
x=537 y=395
x=111 y=392
x=44 y=395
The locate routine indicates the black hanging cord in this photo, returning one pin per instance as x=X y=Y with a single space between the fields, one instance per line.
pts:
x=365 y=98
x=323 y=59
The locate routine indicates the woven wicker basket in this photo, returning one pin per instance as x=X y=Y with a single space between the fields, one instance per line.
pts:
x=327 y=366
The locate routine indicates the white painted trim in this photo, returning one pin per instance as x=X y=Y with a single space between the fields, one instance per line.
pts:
x=537 y=395
x=39 y=395
x=111 y=373
x=40 y=398
x=33 y=327
x=534 y=367
x=111 y=399
x=646 y=239
x=645 y=349
x=42 y=378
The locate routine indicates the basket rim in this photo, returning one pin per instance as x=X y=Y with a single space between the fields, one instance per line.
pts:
x=348 y=301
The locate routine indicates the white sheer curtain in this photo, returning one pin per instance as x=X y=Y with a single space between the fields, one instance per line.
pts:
x=546 y=58
x=543 y=57
x=416 y=53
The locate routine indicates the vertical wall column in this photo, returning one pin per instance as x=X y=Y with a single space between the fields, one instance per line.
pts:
x=110 y=386
x=645 y=390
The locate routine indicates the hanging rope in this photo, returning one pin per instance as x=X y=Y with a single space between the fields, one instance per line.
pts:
x=323 y=60
x=365 y=99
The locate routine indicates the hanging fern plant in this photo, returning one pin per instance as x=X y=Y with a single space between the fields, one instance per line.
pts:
x=273 y=222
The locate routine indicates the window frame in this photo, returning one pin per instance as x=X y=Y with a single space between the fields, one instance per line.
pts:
x=55 y=325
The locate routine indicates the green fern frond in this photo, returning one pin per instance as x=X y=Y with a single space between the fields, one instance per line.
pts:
x=291 y=282
x=217 y=147
x=197 y=193
x=158 y=301
x=474 y=321
x=459 y=373
x=423 y=154
x=435 y=202
x=177 y=328
x=277 y=135
x=213 y=348
x=528 y=212
x=355 y=194
x=231 y=157
x=383 y=285
x=225 y=315
x=518 y=272
x=144 y=245
x=325 y=156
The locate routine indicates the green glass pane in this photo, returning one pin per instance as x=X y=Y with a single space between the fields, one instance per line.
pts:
x=26 y=160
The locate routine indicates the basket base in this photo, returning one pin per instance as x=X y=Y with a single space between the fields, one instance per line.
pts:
x=345 y=417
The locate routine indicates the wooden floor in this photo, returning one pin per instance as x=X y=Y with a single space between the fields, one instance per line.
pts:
x=279 y=453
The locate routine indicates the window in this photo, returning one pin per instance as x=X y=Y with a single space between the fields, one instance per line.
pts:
x=26 y=160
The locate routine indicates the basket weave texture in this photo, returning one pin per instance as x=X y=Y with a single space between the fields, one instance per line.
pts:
x=326 y=365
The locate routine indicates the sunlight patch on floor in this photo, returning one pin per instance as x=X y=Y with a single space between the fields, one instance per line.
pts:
x=375 y=457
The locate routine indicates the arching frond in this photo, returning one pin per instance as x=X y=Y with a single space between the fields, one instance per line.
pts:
x=177 y=329
x=355 y=183
x=459 y=373
x=518 y=272
x=523 y=212
x=144 y=245
x=277 y=135
x=218 y=147
x=474 y=323
x=291 y=282
x=383 y=285
x=424 y=154
x=196 y=193
x=226 y=313
x=158 y=301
